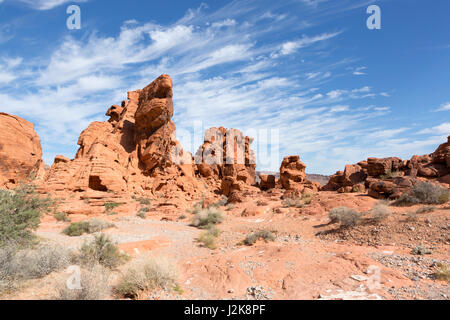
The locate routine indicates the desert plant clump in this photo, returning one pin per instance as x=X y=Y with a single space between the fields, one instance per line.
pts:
x=144 y=201
x=207 y=217
x=102 y=251
x=425 y=209
x=390 y=175
x=208 y=238
x=18 y=264
x=424 y=192
x=254 y=237
x=77 y=229
x=142 y=213
x=441 y=272
x=294 y=202
x=110 y=206
x=347 y=217
x=20 y=214
x=380 y=212
x=421 y=250
x=147 y=274
x=61 y=216
x=94 y=285
x=222 y=202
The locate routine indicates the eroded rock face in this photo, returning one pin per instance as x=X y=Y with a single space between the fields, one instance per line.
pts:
x=226 y=157
x=20 y=151
x=390 y=177
x=293 y=177
x=134 y=152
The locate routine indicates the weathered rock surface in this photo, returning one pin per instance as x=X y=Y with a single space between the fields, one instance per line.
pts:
x=391 y=177
x=134 y=152
x=227 y=160
x=20 y=151
x=293 y=177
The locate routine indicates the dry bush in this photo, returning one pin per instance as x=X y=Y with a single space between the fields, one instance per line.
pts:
x=94 y=286
x=207 y=217
x=441 y=272
x=347 y=217
x=264 y=234
x=147 y=274
x=426 y=209
x=208 y=238
x=424 y=192
x=380 y=212
x=17 y=265
x=102 y=251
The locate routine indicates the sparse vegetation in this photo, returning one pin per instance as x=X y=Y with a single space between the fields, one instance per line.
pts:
x=379 y=212
x=17 y=265
x=297 y=202
x=110 y=206
x=20 y=214
x=345 y=216
x=441 y=272
x=142 y=213
x=426 y=209
x=61 y=216
x=147 y=274
x=390 y=175
x=207 y=217
x=103 y=251
x=93 y=286
x=421 y=250
x=222 y=202
x=358 y=188
x=208 y=238
x=144 y=201
x=424 y=192
x=254 y=237
x=77 y=229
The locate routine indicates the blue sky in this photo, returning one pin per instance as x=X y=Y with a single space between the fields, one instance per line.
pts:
x=336 y=91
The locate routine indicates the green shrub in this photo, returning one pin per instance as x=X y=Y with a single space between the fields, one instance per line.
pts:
x=222 y=202
x=20 y=214
x=147 y=274
x=265 y=235
x=103 y=251
x=109 y=206
x=208 y=217
x=61 y=216
x=142 y=213
x=77 y=229
x=144 y=201
x=345 y=216
x=424 y=192
x=390 y=175
x=426 y=209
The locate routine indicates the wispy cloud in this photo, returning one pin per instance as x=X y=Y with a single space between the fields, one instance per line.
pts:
x=47 y=4
x=444 y=107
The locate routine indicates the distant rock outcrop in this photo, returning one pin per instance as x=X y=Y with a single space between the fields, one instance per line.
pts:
x=226 y=158
x=293 y=176
x=390 y=177
x=134 y=152
x=20 y=151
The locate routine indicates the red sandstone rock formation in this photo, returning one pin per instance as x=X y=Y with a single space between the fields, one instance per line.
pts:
x=134 y=152
x=390 y=177
x=226 y=158
x=20 y=151
x=293 y=177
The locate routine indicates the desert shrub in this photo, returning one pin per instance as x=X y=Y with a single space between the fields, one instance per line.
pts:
x=222 y=202
x=18 y=264
x=380 y=212
x=142 y=213
x=358 y=188
x=425 y=209
x=20 y=213
x=109 y=206
x=208 y=238
x=144 y=201
x=441 y=272
x=424 y=192
x=230 y=206
x=293 y=203
x=94 y=286
x=103 y=251
x=207 y=217
x=411 y=216
x=265 y=235
x=345 y=216
x=421 y=250
x=77 y=229
x=147 y=274
x=61 y=216
x=390 y=175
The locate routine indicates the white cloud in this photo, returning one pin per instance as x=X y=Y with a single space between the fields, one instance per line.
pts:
x=290 y=47
x=442 y=129
x=444 y=107
x=48 y=4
